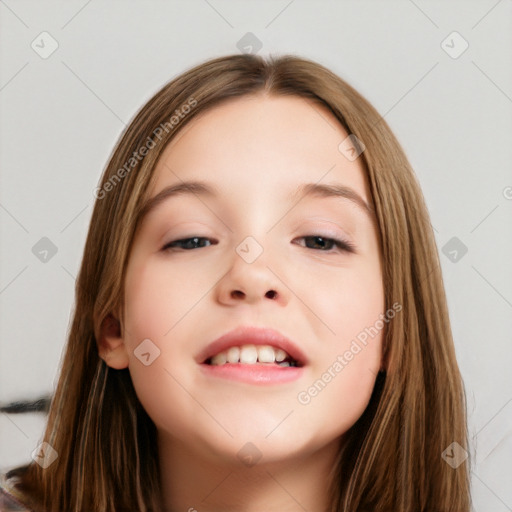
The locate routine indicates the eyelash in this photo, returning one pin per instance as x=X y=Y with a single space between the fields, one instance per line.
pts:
x=342 y=245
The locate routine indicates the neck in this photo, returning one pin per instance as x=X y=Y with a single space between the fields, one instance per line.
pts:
x=192 y=482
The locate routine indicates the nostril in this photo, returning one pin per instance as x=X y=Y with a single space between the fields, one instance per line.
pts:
x=271 y=294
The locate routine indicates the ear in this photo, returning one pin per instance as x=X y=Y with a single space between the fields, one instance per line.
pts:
x=111 y=345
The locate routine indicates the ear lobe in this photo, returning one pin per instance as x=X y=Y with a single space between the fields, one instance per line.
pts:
x=111 y=345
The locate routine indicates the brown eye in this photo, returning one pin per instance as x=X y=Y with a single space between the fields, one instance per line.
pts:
x=326 y=244
x=186 y=243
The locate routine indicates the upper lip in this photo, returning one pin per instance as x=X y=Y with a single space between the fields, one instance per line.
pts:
x=248 y=335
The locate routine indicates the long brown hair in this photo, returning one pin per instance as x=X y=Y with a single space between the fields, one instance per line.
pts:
x=392 y=458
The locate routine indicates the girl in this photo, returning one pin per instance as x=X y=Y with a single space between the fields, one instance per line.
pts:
x=260 y=318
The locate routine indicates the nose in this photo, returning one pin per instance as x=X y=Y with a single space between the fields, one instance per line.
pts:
x=239 y=294
x=251 y=283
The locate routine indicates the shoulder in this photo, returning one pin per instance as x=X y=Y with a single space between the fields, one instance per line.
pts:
x=10 y=499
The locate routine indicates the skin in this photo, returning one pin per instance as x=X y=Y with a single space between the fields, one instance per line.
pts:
x=256 y=150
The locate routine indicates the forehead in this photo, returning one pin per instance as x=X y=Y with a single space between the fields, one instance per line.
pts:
x=261 y=145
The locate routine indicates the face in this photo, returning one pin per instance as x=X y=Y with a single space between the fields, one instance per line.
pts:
x=193 y=275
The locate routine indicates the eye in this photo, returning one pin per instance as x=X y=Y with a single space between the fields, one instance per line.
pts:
x=325 y=244
x=185 y=243
x=322 y=243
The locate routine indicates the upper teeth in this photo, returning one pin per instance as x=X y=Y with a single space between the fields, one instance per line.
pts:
x=250 y=354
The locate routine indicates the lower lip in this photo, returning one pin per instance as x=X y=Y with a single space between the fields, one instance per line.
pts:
x=254 y=373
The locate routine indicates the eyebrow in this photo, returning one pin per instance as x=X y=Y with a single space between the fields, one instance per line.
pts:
x=305 y=190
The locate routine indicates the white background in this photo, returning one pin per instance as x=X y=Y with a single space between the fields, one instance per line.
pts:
x=62 y=115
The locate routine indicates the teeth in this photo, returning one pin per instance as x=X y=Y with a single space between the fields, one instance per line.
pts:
x=251 y=354
x=248 y=354
x=233 y=354
x=280 y=355
x=266 y=354
x=218 y=359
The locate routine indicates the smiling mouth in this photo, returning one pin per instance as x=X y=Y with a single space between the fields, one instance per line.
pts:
x=282 y=364
x=252 y=355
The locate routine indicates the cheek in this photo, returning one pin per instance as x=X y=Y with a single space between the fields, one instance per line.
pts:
x=343 y=376
x=334 y=402
x=156 y=299
x=347 y=363
x=348 y=302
